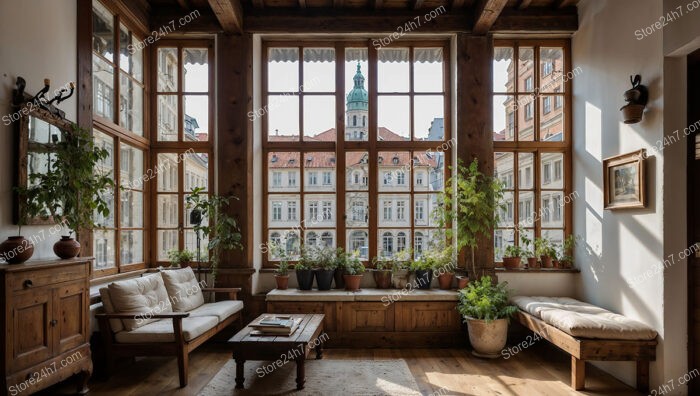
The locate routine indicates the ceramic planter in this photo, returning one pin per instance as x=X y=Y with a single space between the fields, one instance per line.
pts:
x=66 y=248
x=400 y=278
x=532 y=262
x=305 y=279
x=445 y=280
x=352 y=282
x=462 y=281
x=546 y=261
x=487 y=338
x=382 y=278
x=16 y=249
x=632 y=113
x=282 y=281
x=424 y=278
x=339 y=281
x=324 y=278
x=511 y=262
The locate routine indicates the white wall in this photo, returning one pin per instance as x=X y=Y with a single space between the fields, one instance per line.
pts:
x=37 y=41
x=621 y=245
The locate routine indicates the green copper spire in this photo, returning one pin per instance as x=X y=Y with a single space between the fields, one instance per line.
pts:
x=358 y=99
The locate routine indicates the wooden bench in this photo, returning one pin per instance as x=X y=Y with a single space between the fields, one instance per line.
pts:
x=582 y=349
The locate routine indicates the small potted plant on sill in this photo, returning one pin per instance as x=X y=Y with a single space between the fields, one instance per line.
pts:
x=354 y=271
x=528 y=250
x=281 y=268
x=486 y=310
x=340 y=260
x=512 y=256
x=444 y=265
x=180 y=258
x=401 y=269
x=423 y=269
x=303 y=269
x=325 y=267
x=546 y=252
x=567 y=251
x=382 y=272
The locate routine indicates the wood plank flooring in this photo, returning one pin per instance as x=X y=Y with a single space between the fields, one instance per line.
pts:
x=538 y=370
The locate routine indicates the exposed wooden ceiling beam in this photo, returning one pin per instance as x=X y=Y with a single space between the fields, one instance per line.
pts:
x=302 y=3
x=206 y=22
x=536 y=19
x=229 y=13
x=564 y=3
x=524 y=4
x=337 y=3
x=487 y=11
x=183 y=4
x=259 y=3
x=418 y=4
x=457 y=4
x=378 y=4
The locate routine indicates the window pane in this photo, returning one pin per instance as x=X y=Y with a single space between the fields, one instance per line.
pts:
x=429 y=170
x=552 y=118
x=394 y=171
x=283 y=70
x=357 y=99
x=319 y=118
x=196 y=121
x=166 y=172
x=283 y=118
x=356 y=171
x=502 y=239
x=526 y=208
x=507 y=211
x=283 y=172
x=357 y=242
x=504 y=112
x=167 y=118
x=555 y=236
x=105 y=251
x=319 y=70
x=390 y=242
x=551 y=69
x=196 y=64
x=393 y=70
x=283 y=211
x=187 y=212
x=191 y=245
x=394 y=210
x=503 y=169
x=167 y=69
x=526 y=71
x=319 y=171
x=528 y=233
x=319 y=210
x=552 y=209
x=167 y=211
x=130 y=53
x=102 y=88
x=102 y=31
x=288 y=240
x=503 y=69
x=393 y=118
x=526 y=117
x=526 y=170
x=423 y=207
x=552 y=170
x=105 y=167
x=428 y=70
x=131 y=209
x=167 y=241
x=131 y=246
x=429 y=117
x=131 y=105
x=356 y=209
x=196 y=171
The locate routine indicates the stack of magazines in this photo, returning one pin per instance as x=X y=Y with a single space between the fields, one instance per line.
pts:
x=275 y=325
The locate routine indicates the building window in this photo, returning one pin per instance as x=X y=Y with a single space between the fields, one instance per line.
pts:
x=528 y=84
x=327 y=211
x=528 y=111
x=327 y=178
x=291 y=211
x=547 y=173
x=313 y=211
x=387 y=244
x=291 y=179
x=277 y=211
x=400 y=211
x=313 y=178
x=420 y=211
x=400 y=178
x=546 y=105
x=276 y=179
x=387 y=211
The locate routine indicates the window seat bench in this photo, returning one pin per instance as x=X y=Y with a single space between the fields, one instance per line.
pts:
x=373 y=318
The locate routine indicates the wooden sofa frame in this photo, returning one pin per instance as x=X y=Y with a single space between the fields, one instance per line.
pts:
x=582 y=349
x=180 y=347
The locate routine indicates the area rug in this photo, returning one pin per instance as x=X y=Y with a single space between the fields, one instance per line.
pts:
x=323 y=377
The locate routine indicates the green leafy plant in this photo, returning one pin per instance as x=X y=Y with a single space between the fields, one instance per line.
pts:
x=527 y=244
x=222 y=230
x=402 y=260
x=326 y=258
x=353 y=266
x=424 y=263
x=544 y=247
x=514 y=251
x=473 y=209
x=71 y=191
x=483 y=300
x=282 y=268
x=567 y=250
x=306 y=259
x=177 y=257
x=383 y=263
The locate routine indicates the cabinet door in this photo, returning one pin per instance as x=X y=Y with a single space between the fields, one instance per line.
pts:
x=30 y=341
x=70 y=308
x=367 y=316
x=440 y=316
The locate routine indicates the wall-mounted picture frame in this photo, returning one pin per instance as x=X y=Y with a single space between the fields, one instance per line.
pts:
x=624 y=181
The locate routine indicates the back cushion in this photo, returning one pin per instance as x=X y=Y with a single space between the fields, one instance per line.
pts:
x=115 y=324
x=184 y=290
x=146 y=295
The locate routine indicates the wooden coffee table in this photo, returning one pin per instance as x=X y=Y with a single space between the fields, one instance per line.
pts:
x=278 y=348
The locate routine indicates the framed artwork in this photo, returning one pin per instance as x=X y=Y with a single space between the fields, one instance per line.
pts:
x=624 y=181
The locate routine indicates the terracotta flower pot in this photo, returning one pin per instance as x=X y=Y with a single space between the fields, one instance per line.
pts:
x=185 y=264
x=445 y=280
x=352 y=282
x=382 y=278
x=511 y=262
x=556 y=264
x=462 y=281
x=487 y=338
x=282 y=281
x=532 y=262
x=546 y=261
x=16 y=249
x=66 y=248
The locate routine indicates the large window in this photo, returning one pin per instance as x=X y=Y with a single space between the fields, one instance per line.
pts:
x=366 y=131
x=532 y=143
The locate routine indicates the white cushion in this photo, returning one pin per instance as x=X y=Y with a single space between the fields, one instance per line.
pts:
x=584 y=320
x=162 y=330
x=115 y=324
x=146 y=295
x=184 y=290
x=220 y=309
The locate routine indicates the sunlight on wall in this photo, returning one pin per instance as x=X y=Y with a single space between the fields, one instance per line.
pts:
x=593 y=128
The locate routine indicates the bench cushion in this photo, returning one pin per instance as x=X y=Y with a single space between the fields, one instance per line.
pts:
x=146 y=295
x=220 y=309
x=115 y=324
x=584 y=320
x=184 y=290
x=162 y=330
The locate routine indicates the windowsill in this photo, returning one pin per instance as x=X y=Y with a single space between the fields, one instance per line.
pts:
x=538 y=270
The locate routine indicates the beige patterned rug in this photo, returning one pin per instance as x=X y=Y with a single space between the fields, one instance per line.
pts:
x=323 y=377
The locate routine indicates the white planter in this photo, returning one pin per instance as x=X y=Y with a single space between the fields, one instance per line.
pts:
x=487 y=338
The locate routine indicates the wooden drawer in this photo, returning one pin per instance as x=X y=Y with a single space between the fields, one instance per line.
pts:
x=427 y=316
x=28 y=280
x=367 y=316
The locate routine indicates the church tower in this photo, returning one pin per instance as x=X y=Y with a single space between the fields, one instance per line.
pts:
x=357 y=116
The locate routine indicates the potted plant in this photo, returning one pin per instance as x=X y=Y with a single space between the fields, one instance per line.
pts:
x=473 y=209
x=567 y=251
x=222 y=230
x=486 y=310
x=354 y=271
x=400 y=270
x=180 y=258
x=528 y=250
x=546 y=252
x=282 y=268
x=512 y=256
x=303 y=269
x=71 y=191
x=340 y=261
x=443 y=265
x=423 y=268
x=325 y=267
x=382 y=272
x=462 y=279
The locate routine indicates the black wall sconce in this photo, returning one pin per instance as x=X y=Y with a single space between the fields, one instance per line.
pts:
x=636 y=99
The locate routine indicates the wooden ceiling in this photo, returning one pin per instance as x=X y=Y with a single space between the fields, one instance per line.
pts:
x=367 y=16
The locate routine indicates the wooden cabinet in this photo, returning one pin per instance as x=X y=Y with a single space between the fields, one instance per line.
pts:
x=46 y=324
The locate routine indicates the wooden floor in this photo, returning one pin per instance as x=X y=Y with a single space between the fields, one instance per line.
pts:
x=538 y=370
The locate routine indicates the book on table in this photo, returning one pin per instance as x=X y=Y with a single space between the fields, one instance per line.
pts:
x=275 y=325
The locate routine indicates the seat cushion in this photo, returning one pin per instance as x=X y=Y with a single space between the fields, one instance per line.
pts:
x=162 y=330
x=584 y=320
x=220 y=309
x=146 y=295
x=115 y=324
x=183 y=288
